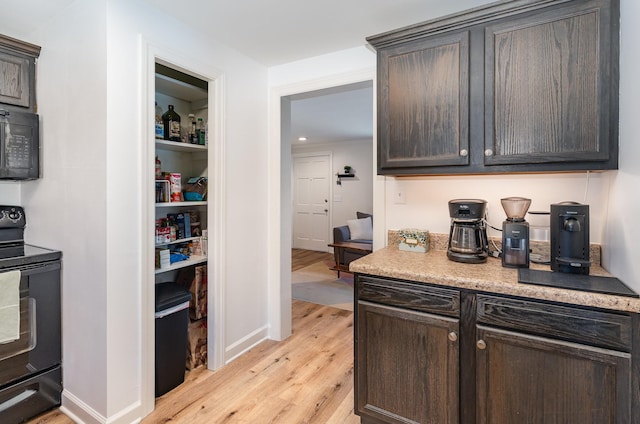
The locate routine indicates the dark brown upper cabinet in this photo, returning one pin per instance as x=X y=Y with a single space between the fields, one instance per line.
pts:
x=513 y=86
x=426 y=100
x=17 y=74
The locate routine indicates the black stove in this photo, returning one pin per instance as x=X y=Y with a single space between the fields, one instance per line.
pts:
x=30 y=360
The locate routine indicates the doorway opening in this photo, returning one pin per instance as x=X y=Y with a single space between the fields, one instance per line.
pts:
x=329 y=129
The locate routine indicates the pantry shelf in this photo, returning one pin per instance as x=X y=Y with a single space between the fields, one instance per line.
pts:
x=177 y=146
x=193 y=260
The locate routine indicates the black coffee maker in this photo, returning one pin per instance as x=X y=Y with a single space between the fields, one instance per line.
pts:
x=569 y=222
x=468 y=234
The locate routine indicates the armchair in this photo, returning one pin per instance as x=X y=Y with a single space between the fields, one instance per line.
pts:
x=342 y=234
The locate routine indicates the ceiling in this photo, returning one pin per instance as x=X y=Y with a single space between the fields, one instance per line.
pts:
x=281 y=31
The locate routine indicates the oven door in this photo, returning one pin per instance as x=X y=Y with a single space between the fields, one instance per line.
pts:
x=39 y=346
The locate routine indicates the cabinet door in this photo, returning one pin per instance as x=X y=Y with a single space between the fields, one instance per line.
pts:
x=423 y=101
x=15 y=79
x=406 y=366
x=549 y=88
x=527 y=379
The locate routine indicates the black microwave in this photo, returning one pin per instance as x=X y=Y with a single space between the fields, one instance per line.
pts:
x=19 y=145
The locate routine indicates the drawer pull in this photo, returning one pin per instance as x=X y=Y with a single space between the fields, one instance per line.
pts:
x=453 y=336
x=481 y=344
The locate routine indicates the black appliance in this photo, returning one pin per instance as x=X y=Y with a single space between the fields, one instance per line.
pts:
x=19 y=145
x=515 y=232
x=468 y=234
x=31 y=366
x=569 y=222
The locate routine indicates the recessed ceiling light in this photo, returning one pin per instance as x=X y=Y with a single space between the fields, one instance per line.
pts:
x=302 y=138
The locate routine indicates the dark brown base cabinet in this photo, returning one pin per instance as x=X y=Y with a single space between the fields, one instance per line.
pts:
x=436 y=355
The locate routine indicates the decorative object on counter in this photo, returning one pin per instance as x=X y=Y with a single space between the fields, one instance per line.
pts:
x=414 y=240
x=468 y=234
x=515 y=232
x=570 y=238
x=347 y=169
x=171 y=121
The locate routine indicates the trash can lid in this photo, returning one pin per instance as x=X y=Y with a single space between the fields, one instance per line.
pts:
x=169 y=295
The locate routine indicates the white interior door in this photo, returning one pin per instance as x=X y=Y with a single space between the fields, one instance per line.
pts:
x=311 y=185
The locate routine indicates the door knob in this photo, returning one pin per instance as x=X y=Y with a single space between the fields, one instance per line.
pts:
x=453 y=336
x=481 y=344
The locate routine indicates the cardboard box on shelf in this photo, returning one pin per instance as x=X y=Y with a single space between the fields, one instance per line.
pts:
x=197 y=344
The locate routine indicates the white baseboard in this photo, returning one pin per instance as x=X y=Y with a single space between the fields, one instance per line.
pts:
x=244 y=344
x=82 y=413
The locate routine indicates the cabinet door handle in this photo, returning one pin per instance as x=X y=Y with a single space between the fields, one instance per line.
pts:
x=488 y=152
x=464 y=152
x=481 y=344
x=453 y=336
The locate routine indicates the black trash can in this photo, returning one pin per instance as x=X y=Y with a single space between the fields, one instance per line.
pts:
x=172 y=325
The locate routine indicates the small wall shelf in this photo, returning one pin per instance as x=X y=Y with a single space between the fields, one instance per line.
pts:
x=340 y=176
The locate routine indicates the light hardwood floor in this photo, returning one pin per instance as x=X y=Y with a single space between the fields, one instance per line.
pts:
x=307 y=378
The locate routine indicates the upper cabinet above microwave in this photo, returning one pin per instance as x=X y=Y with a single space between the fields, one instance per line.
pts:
x=17 y=73
x=513 y=86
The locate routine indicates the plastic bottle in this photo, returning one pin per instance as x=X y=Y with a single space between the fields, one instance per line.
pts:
x=158 y=169
x=171 y=121
x=159 y=123
x=193 y=137
x=201 y=132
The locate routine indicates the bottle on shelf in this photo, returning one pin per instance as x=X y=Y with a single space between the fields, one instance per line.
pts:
x=159 y=123
x=193 y=137
x=171 y=121
x=158 y=169
x=201 y=131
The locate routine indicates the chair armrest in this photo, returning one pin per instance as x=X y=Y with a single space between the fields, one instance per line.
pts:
x=341 y=234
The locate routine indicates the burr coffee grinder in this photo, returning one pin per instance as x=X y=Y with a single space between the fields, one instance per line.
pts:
x=515 y=233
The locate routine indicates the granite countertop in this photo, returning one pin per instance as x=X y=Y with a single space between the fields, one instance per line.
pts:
x=434 y=267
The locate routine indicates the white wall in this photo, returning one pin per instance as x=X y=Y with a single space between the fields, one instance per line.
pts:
x=427 y=197
x=354 y=194
x=620 y=244
x=66 y=208
x=88 y=203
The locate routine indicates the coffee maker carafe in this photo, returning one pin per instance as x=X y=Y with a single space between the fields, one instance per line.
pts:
x=515 y=233
x=569 y=222
x=468 y=234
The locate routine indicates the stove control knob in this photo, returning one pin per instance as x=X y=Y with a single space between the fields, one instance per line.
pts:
x=15 y=216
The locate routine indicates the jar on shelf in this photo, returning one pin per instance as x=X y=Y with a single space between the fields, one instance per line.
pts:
x=171 y=121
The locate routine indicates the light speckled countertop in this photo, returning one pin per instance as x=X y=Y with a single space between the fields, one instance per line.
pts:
x=434 y=267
